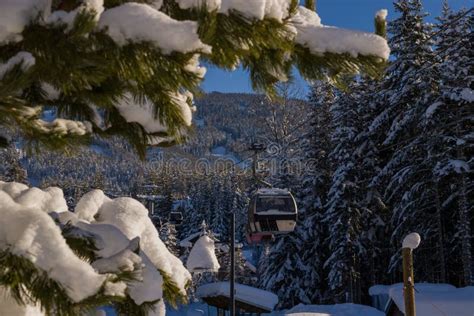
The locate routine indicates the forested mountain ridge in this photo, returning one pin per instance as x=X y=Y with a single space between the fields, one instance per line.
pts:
x=224 y=126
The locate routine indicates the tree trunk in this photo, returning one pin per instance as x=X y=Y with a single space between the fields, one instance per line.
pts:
x=465 y=233
x=442 y=257
x=464 y=223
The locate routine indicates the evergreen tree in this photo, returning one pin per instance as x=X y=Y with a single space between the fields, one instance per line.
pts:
x=375 y=214
x=168 y=236
x=407 y=90
x=282 y=269
x=343 y=209
x=14 y=171
x=165 y=205
x=448 y=122
x=315 y=179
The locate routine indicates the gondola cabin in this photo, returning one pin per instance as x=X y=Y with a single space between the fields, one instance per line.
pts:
x=271 y=212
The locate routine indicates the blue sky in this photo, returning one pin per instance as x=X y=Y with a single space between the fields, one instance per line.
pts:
x=352 y=14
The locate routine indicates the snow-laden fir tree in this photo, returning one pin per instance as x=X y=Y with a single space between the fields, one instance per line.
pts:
x=281 y=268
x=168 y=236
x=12 y=168
x=449 y=123
x=374 y=212
x=342 y=213
x=315 y=179
x=408 y=88
x=108 y=68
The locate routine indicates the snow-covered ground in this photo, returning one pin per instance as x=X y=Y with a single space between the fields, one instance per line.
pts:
x=330 y=310
x=196 y=309
x=437 y=300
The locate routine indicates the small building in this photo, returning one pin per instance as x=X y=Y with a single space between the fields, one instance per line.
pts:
x=430 y=299
x=248 y=300
x=379 y=296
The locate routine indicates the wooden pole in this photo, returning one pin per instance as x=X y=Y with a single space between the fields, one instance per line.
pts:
x=408 y=282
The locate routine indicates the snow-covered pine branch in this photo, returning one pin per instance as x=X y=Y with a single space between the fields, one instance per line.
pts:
x=131 y=69
x=129 y=265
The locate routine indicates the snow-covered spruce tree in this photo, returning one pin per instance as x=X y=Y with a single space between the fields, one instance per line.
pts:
x=372 y=258
x=129 y=69
x=221 y=208
x=315 y=179
x=449 y=124
x=243 y=274
x=13 y=170
x=165 y=205
x=193 y=216
x=168 y=236
x=405 y=176
x=343 y=210
x=281 y=270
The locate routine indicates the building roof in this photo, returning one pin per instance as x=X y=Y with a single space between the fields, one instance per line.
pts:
x=248 y=298
x=432 y=299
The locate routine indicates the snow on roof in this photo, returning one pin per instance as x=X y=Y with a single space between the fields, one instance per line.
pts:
x=437 y=299
x=273 y=191
x=150 y=196
x=384 y=289
x=188 y=241
x=379 y=289
x=203 y=256
x=347 y=309
x=243 y=293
